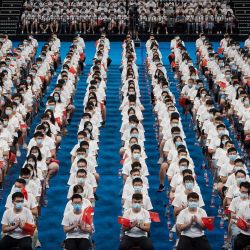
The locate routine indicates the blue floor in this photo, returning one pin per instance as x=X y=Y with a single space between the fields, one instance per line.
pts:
x=108 y=207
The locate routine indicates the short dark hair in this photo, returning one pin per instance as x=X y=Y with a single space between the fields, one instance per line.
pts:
x=20 y=180
x=24 y=171
x=76 y=187
x=136 y=164
x=135 y=147
x=193 y=195
x=188 y=178
x=137 y=196
x=137 y=180
x=187 y=171
x=76 y=196
x=83 y=171
x=240 y=171
x=134 y=170
x=231 y=150
x=17 y=195
x=246 y=185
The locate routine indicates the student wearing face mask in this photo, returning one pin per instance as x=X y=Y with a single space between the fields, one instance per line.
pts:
x=214 y=136
x=180 y=199
x=226 y=167
x=13 y=222
x=137 y=187
x=82 y=163
x=189 y=223
x=238 y=165
x=126 y=152
x=82 y=153
x=135 y=173
x=135 y=157
x=78 y=189
x=177 y=181
x=133 y=132
x=40 y=161
x=77 y=232
x=234 y=190
x=81 y=178
x=235 y=205
x=243 y=239
x=179 y=165
x=136 y=234
x=92 y=176
x=82 y=136
x=31 y=185
x=29 y=201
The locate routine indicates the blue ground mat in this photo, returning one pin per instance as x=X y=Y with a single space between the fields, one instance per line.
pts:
x=108 y=207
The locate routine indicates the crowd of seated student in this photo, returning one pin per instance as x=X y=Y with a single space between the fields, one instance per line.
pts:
x=118 y=16
x=83 y=180
x=21 y=102
x=185 y=194
x=136 y=202
x=227 y=85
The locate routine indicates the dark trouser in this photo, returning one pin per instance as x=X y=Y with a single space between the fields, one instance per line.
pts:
x=77 y=244
x=143 y=242
x=8 y=242
x=198 y=243
x=241 y=241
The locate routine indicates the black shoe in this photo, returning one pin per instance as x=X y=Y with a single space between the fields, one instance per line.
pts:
x=161 y=188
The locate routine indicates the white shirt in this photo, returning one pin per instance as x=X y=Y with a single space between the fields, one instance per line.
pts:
x=185 y=216
x=142 y=216
x=236 y=204
x=181 y=200
x=244 y=213
x=10 y=218
x=146 y=202
x=70 y=219
x=30 y=203
x=87 y=191
x=69 y=207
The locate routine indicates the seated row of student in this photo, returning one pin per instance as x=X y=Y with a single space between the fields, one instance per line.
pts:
x=135 y=199
x=83 y=180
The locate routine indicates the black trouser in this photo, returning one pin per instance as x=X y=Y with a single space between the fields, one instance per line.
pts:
x=77 y=244
x=143 y=242
x=241 y=241
x=198 y=243
x=8 y=242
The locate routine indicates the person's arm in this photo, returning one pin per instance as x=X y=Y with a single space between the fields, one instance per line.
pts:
x=144 y=226
x=7 y=228
x=68 y=229
x=132 y=224
x=185 y=226
x=85 y=228
x=34 y=211
x=177 y=210
x=198 y=222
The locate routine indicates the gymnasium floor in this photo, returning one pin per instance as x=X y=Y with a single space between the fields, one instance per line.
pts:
x=108 y=207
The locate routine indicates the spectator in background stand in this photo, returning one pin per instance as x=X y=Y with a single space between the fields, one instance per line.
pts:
x=219 y=22
x=229 y=21
x=199 y=22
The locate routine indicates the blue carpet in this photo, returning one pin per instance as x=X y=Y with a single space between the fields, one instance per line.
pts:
x=108 y=207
